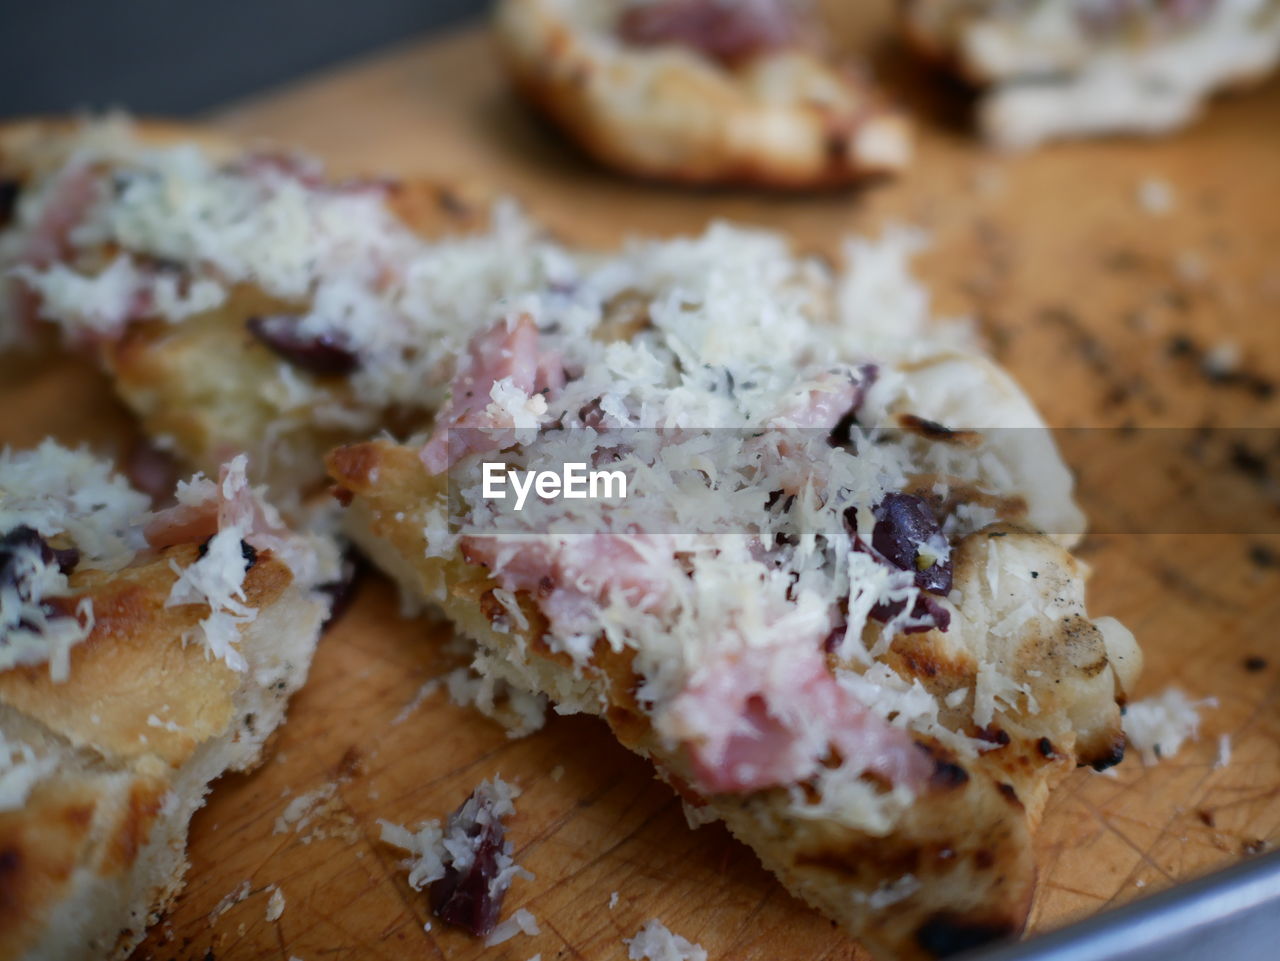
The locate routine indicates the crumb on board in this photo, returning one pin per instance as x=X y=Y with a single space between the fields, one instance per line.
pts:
x=1191 y=267
x=1155 y=196
x=1222 y=359
x=557 y=772
x=229 y=901
x=425 y=690
x=613 y=900
x=1224 y=751
x=696 y=816
x=275 y=904
x=317 y=814
x=520 y=712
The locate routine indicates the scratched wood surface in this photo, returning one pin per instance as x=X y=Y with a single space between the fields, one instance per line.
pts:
x=1104 y=311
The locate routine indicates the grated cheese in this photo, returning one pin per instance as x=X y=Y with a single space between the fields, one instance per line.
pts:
x=655 y=942
x=303 y=809
x=434 y=849
x=1224 y=751
x=56 y=490
x=1158 y=726
x=521 y=922
x=64 y=495
x=217 y=578
x=20 y=770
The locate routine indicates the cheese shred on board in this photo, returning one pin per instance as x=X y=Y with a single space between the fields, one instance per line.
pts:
x=656 y=942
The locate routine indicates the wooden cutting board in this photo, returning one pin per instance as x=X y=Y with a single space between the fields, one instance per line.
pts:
x=1100 y=307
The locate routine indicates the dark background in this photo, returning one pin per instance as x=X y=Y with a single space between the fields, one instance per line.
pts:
x=184 y=56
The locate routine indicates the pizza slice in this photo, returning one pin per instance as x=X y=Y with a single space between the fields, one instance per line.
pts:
x=1089 y=67
x=835 y=606
x=702 y=91
x=241 y=300
x=142 y=654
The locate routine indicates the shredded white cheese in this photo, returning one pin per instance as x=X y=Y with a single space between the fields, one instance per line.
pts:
x=300 y=811
x=434 y=849
x=217 y=578
x=521 y=922
x=20 y=770
x=1158 y=726
x=72 y=499
x=1224 y=751
x=656 y=942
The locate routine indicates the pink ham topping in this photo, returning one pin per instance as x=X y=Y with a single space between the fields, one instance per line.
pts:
x=71 y=196
x=231 y=502
x=724 y=30
x=829 y=399
x=575 y=577
x=769 y=716
x=509 y=350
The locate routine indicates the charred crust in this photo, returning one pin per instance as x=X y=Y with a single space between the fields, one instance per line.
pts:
x=9 y=190
x=946 y=774
x=993 y=735
x=12 y=886
x=932 y=430
x=1009 y=793
x=492 y=608
x=78 y=816
x=342 y=495
x=10 y=864
x=355 y=466
x=1111 y=758
x=1046 y=749
x=247 y=551
x=945 y=934
x=135 y=826
x=451 y=203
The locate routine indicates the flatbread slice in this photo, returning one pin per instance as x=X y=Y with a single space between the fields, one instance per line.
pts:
x=141 y=655
x=1060 y=70
x=701 y=91
x=827 y=609
x=241 y=300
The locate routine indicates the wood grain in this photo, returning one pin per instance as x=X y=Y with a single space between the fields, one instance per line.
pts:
x=1092 y=302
